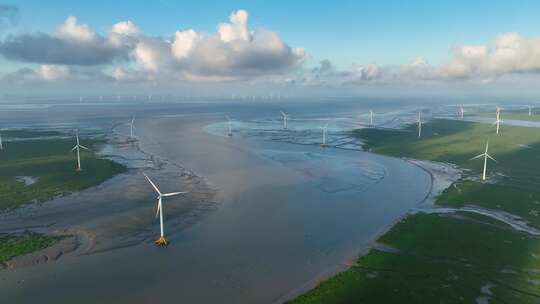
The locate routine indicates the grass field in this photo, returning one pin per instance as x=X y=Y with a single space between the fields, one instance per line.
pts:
x=453 y=258
x=12 y=246
x=51 y=164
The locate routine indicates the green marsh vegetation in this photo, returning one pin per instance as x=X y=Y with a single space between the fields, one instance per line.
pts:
x=440 y=259
x=15 y=245
x=458 y=257
x=513 y=180
x=46 y=158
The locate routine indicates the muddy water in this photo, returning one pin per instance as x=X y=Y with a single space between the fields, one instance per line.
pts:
x=288 y=214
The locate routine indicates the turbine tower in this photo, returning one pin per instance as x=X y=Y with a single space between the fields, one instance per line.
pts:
x=229 y=123
x=530 y=110
x=498 y=120
x=162 y=241
x=77 y=147
x=419 y=121
x=370 y=118
x=324 y=129
x=285 y=118
x=486 y=156
x=132 y=127
x=461 y=112
x=1 y=145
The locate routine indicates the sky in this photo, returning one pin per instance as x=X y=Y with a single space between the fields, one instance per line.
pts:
x=269 y=47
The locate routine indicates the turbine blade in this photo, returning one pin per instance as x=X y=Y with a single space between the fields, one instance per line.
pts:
x=477 y=156
x=152 y=183
x=172 y=194
x=74 y=148
x=84 y=147
x=157 y=209
x=489 y=156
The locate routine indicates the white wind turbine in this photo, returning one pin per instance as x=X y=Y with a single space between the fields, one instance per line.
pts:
x=229 y=123
x=486 y=156
x=1 y=145
x=371 y=118
x=162 y=241
x=285 y=118
x=132 y=127
x=461 y=112
x=77 y=147
x=324 y=129
x=419 y=121
x=498 y=120
x=530 y=110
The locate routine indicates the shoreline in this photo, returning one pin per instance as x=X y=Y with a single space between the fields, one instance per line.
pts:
x=442 y=176
x=363 y=250
x=78 y=241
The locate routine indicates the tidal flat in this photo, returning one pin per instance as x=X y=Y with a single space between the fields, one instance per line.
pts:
x=36 y=166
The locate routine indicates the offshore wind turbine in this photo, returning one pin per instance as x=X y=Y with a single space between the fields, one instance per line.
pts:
x=229 y=123
x=461 y=112
x=285 y=118
x=530 y=110
x=498 y=120
x=77 y=147
x=132 y=127
x=486 y=156
x=419 y=121
x=324 y=129
x=162 y=241
x=371 y=118
x=1 y=145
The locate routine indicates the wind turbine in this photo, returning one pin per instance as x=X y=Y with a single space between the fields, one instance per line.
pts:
x=371 y=118
x=461 y=112
x=285 y=118
x=324 y=129
x=486 y=156
x=77 y=147
x=1 y=145
x=498 y=120
x=132 y=127
x=162 y=241
x=419 y=121
x=229 y=123
x=530 y=110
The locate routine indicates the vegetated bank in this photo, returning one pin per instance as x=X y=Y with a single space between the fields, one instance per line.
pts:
x=456 y=257
x=36 y=166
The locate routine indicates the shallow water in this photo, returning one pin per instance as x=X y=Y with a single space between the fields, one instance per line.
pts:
x=288 y=214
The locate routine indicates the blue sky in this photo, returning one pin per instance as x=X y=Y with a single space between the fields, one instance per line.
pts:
x=385 y=33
